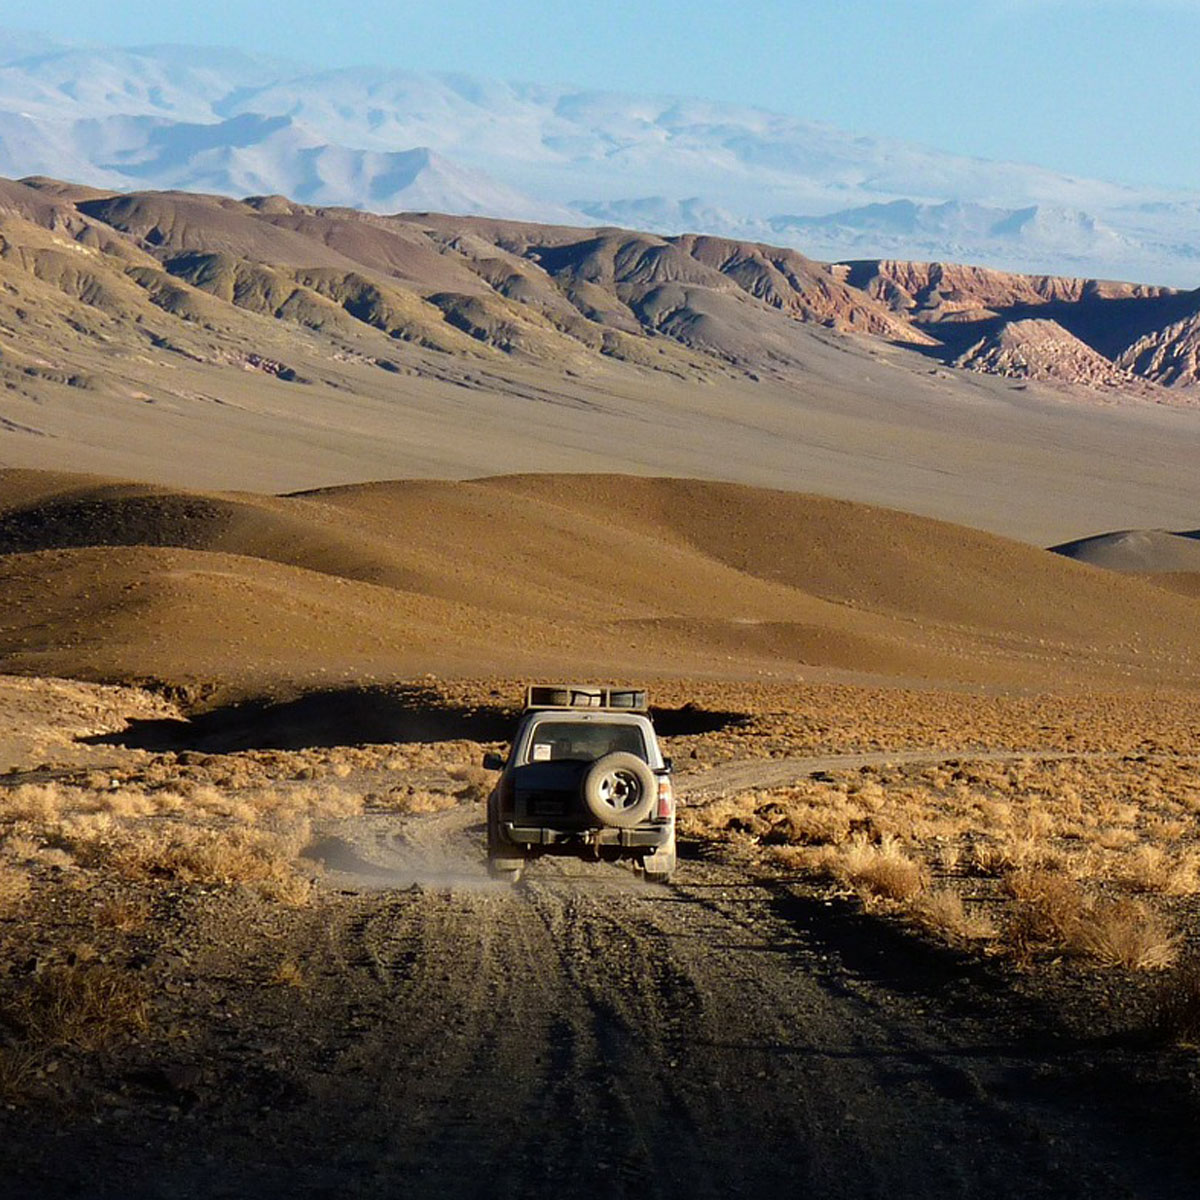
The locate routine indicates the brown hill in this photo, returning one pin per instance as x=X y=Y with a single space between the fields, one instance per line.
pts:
x=216 y=343
x=564 y=293
x=102 y=579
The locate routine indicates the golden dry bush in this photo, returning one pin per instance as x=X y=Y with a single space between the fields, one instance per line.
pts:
x=477 y=782
x=19 y=847
x=123 y=803
x=882 y=870
x=943 y=914
x=803 y=823
x=34 y=802
x=286 y=887
x=1150 y=868
x=1125 y=933
x=219 y=856
x=819 y=861
x=1047 y=910
x=84 y=1006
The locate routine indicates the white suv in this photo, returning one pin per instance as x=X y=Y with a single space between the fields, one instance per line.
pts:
x=585 y=777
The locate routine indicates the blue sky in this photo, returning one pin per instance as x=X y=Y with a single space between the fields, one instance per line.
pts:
x=1107 y=88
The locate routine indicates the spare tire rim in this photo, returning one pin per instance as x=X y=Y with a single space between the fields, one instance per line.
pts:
x=620 y=790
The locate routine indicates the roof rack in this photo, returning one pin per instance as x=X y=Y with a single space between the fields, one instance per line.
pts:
x=573 y=695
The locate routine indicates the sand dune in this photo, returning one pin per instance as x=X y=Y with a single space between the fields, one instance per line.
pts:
x=117 y=580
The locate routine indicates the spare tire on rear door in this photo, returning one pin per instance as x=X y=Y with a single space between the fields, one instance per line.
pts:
x=619 y=789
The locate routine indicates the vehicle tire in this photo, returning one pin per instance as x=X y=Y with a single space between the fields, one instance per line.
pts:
x=504 y=871
x=619 y=790
x=660 y=866
x=502 y=861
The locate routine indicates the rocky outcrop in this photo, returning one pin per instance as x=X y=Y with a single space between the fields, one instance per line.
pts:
x=1040 y=349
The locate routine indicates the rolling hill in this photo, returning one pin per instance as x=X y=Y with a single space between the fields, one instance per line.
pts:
x=112 y=580
x=264 y=344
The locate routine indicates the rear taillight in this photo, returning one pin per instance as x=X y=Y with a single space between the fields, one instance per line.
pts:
x=666 y=797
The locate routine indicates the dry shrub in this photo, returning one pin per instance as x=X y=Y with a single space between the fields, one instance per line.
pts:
x=477 y=783
x=125 y=803
x=1125 y=933
x=36 y=802
x=20 y=848
x=418 y=801
x=14 y=887
x=88 y=1007
x=123 y=913
x=189 y=855
x=1053 y=911
x=18 y=1067
x=1049 y=907
x=1116 y=839
x=881 y=870
x=821 y=861
x=287 y=974
x=1151 y=869
x=814 y=824
x=943 y=913
x=287 y=887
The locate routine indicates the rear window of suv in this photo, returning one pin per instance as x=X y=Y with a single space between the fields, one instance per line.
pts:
x=583 y=740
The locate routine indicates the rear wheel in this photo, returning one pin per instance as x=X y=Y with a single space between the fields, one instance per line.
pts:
x=503 y=861
x=660 y=866
x=505 y=871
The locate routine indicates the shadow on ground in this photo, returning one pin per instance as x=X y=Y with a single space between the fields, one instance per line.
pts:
x=354 y=716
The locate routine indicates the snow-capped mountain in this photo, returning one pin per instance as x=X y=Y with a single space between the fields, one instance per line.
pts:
x=218 y=120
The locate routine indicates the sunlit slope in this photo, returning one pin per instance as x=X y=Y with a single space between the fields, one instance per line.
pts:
x=543 y=573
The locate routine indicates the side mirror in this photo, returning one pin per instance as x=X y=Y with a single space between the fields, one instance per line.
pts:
x=493 y=762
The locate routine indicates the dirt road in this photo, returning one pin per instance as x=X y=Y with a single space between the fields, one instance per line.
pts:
x=584 y=1034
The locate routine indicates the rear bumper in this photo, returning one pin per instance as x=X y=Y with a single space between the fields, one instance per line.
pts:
x=642 y=836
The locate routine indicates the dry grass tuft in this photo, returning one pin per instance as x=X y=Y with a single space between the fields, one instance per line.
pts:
x=18 y=1067
x=287 y=974
x=1049 y=907
x=477 y=783
x=1125 y=933
x=124 y=913
x=943 y=914
x=88 y=1007
x=185 y=854
x=881 y=870
x=1150 y=868
x=14 y=887
x=36 y=802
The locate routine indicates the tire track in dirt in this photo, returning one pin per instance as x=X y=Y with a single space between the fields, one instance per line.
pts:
x=587 y=1034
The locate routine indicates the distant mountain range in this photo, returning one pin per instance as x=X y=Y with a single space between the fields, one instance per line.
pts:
x=388 y=141
x=169 y=266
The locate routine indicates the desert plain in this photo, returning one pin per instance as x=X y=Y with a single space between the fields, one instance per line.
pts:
x=294 y=503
